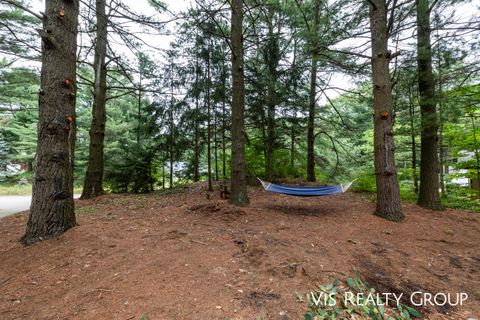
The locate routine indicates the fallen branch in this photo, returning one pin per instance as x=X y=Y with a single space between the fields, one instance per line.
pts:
x=199 y=242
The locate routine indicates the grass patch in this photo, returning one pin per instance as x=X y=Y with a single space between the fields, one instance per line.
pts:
x=15 y=190
x=455 y=197
x=86 y=210
x=8 y=189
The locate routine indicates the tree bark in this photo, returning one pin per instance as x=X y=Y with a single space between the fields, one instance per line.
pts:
x=224 y=125
x=209 y=130
x=411 y=110
x=292 y=144
x=163 y=174
x=271 y=55
x=429 y=196
x=126 y=173
x=215 y=141
x=139 y=99
x=294 y=117
x=52 y=209
x=196 y=151
x=388 y=192
x=311 y=122
x=92 y=185
x=441 y=150
x=172 y=137
x=312 y=102
x=238 y=177
x=476 y=150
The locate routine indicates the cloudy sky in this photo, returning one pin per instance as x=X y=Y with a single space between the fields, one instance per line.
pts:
x=162 y=41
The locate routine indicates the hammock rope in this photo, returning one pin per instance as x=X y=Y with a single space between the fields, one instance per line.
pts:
x=305 y=191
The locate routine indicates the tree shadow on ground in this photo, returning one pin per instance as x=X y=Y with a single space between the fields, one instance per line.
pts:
x=301 y=210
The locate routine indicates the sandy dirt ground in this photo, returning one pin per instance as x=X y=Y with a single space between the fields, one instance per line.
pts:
x=182 y=256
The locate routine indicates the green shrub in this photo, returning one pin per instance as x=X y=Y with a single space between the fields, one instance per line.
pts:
x=461 y=198
x=331 y=302
x=365 y=182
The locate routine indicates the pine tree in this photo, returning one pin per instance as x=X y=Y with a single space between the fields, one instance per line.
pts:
x=429 y=196
x=52 y=210
x=94 y=176
x=238 y=176
x=388 y=192
x=312 y=97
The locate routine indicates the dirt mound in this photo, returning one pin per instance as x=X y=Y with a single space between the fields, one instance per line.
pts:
x=218 y=210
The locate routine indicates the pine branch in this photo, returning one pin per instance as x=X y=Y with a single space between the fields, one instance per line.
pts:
x=22 y=7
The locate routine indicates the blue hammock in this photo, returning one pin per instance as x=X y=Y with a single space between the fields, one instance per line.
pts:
x=305 y=191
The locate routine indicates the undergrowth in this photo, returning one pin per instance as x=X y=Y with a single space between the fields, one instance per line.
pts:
x=353 y=299
x=455 y=196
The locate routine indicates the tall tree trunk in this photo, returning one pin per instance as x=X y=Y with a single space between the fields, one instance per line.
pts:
x=388 y=192
x=171 y=156
x=171 y=134
x=224 y=125
x=292 y=144
x=312 y=101
x=411 y=110
x=92 y=185
x=263 y=121
x=52 y=209
x=196 y=151
x=126 y=172
x=238 y=177
x=440 y=130
x=215 y=141
x=476 y=149
x=442 y=151
x=209 y=129
x=294 y=117
x=163 y=174
x=271 y=56
x=311 y=122
x=150 y=174
x=139 y=102
x=270 y=139
x=429 y=196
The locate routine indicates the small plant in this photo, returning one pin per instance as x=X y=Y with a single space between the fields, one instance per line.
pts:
x=353 y=299
x=23 y=182
x=88 y=209
x=261 y=317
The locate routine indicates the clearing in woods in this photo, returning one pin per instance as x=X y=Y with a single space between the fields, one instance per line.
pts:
x=177 y=255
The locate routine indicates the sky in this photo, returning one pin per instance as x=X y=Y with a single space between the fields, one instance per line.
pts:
x=163 y=41
x=139 y=5
x=176 y=6
x=142 y=7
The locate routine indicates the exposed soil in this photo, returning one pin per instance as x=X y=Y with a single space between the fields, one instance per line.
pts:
x=182 y=256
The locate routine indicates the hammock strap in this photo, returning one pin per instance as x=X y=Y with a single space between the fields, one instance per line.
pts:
x=265 y=184
x=346 y=186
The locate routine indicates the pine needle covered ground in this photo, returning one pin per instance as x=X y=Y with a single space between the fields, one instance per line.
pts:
x=177 y=255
